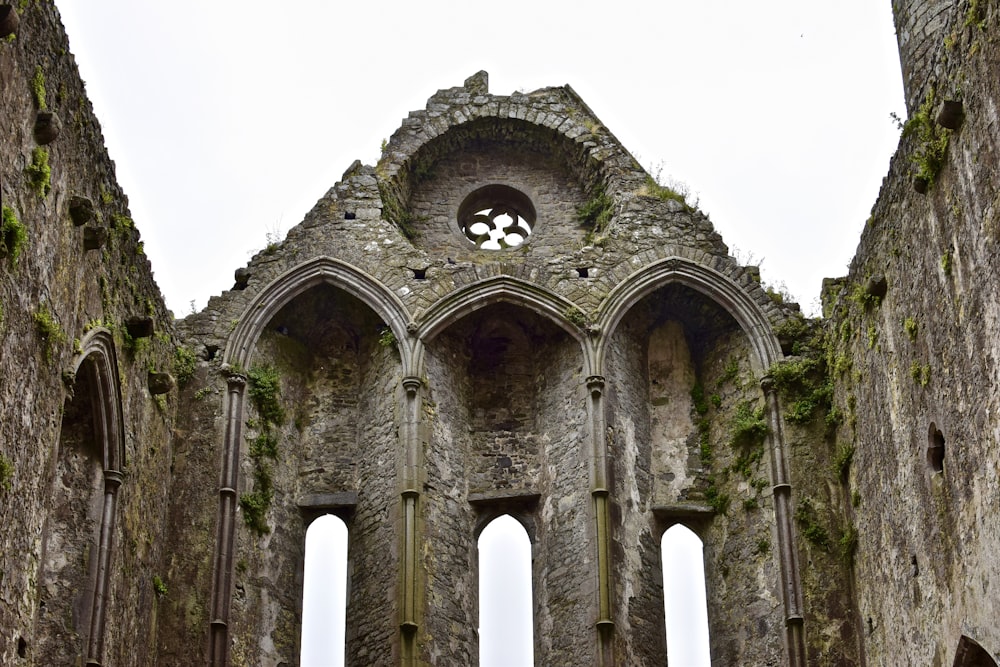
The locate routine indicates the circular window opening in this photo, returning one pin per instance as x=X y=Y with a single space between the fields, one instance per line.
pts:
x=496 y=217
x=935 y=449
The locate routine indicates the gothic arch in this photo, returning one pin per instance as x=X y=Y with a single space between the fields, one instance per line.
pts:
x=239 y=353
x=716 y=286
x=98 y=351
x=98 y=420
x=507 y=289
x=318 y=271
x=765 y=351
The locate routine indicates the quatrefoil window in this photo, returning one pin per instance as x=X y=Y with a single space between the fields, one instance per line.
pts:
x=496 y=217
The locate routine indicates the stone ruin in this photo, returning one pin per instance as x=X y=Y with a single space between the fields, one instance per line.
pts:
x=505 y=315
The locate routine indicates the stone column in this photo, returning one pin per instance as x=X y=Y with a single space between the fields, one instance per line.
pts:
x=787 y=555
x=95 y=641
x=226 y=534
x=410 y=496
x=599 y=492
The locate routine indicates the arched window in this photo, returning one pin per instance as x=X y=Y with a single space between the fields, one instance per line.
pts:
x=684 y=603
x=76 y=562
x=324 y=593
x=506 y=613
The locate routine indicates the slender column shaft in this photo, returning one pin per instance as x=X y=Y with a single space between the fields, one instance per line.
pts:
x=222 y=584
x=600 y=493
x=410 y=496
x=788 y=558
x=95 y=642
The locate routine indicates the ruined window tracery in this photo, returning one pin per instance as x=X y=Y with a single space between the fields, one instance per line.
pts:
x=496 y=217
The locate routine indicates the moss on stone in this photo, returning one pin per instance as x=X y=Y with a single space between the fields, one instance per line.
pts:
x=38 y=87
x=6 y=473
x=184 y=365
x=48 y=330
x=39 y=173
x=13 y=236
x=932 y=140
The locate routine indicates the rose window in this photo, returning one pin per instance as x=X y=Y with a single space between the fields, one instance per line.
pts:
x=496 y=217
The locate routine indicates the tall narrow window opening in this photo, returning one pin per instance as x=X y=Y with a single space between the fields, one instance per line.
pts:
x=506 y=615
x=684 y=601
x=324 y=593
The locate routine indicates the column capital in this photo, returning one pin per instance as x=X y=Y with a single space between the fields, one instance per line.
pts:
x=236 y=379
x=112 y=480
x=412 y=383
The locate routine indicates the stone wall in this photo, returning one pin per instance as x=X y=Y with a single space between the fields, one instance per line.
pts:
x=921 y=29
x=919 y=372
x=85 y=446
x=616 y=374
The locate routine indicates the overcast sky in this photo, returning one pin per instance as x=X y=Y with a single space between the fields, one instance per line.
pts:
x=229 y=120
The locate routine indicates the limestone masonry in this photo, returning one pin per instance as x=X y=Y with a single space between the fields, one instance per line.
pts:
x=505 y=315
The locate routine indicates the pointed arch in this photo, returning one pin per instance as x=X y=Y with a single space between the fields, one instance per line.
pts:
x=765 y=350
x=713 y=284
x=499 y=289
x=970 y=654
x=89 y=464
x=97 y=358
x=321 y=270
x=261 y=310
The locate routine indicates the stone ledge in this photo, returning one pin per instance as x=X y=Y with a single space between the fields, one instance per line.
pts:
x=328 y=500
x=505 y=496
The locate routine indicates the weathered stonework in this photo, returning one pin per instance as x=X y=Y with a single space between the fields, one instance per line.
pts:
x=616 y=374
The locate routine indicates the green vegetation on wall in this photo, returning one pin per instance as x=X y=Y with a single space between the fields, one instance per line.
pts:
x=749 y=426
x=39 y=173
x=38 y=88
x=677 y=192
x=808 y=519
x=595 y=215
x=386 y=338
x=48 y=330
x=6 y=473
x=932 y=140
x=184 y=365
x=717 y=499
x=13 y=236
x=264 y=390
x=159 y=586
x=804 y=382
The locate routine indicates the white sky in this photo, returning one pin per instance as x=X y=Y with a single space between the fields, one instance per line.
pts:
x=506 y=612
x=228 y=120
x=324 y=594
